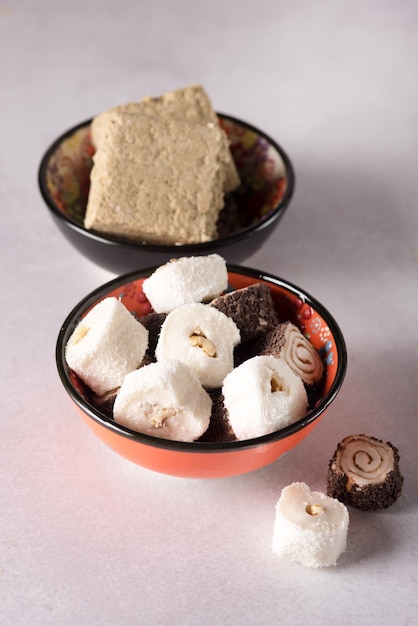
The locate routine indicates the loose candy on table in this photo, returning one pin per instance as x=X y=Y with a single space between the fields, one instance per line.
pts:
x=364 y=473
x=310 y=527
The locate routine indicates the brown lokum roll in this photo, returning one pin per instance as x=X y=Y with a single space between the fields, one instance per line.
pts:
x=153 y=322
x=287 y=342
x=251 y=308
x=219 y=429
x=364 y=473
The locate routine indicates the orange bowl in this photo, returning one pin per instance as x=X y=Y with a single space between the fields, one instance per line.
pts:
x=211 y=460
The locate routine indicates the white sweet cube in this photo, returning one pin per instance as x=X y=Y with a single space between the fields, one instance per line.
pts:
x=107 y=344
x=310 y=528
x=186 y=280
x=165 y=400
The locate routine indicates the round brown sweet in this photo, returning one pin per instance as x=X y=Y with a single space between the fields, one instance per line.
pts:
x=364 y=473
x=286 y=341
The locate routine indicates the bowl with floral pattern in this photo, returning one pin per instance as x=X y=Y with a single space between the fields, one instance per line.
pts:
x=209 y=458
x=250 y=215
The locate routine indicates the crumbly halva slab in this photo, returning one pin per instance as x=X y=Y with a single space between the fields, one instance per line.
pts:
x=189 y=104
x=155 y=180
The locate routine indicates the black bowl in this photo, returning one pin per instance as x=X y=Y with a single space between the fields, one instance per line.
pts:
x=267 y=187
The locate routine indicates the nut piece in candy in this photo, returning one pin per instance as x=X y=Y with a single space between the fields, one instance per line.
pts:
x=315 y=509
x=199 y=340
x=165 y=400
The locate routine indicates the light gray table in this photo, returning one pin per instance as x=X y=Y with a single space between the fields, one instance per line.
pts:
x=86 y=537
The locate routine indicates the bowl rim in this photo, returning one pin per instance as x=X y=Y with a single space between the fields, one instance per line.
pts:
x=242 y=234
x=199 y=447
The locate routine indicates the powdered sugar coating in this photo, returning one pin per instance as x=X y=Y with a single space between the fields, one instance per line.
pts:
x=107 y=344
x=203 y=338
x=310 y=527
x=164 y=400
x=185 y=280
x=263 y=395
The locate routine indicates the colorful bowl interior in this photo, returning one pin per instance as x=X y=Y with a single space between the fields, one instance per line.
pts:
x=207 y=460
x=266 y=174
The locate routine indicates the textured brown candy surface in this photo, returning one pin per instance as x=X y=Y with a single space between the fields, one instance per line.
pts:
x=153 y=322
x=287 y=341
x=364 y=473
x=251 y=308
x=219 y=427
